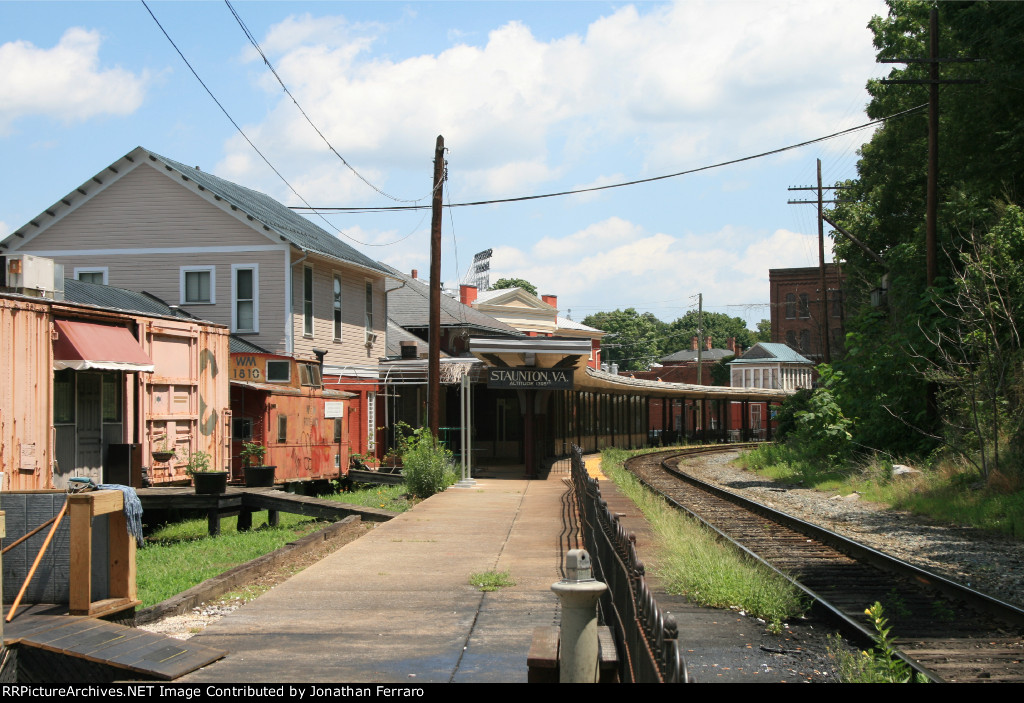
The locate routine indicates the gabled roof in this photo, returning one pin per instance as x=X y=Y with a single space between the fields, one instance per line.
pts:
x=691 y=355
x=772 y=352
x=276 y=217
x=564 y=323
x=292 y=227
x=504 y=296
x=409 y=306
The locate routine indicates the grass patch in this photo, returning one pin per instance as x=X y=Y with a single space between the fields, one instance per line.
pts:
x=181 y=555
x=693 y=562
x=392 y=498
x=491 y=580
x=946 y=492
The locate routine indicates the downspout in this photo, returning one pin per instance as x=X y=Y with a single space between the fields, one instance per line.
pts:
x=289 y=325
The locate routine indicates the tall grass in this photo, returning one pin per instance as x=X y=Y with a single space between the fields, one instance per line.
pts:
x=947 y=491
x=692 y=561
x=386 y=497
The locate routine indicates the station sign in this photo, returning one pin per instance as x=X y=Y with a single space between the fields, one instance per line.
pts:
x=531 y=379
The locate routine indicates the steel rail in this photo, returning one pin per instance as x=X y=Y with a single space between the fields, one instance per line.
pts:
x=1005 y=612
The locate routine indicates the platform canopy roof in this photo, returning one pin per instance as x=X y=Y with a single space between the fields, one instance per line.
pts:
x=552 y=352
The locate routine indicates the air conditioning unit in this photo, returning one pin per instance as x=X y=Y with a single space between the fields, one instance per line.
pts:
x=371 y=339
x=34 y=275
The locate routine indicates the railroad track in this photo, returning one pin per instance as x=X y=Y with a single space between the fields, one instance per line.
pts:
x=945 y=630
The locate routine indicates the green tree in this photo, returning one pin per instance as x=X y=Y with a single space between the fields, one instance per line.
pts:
x=718 y=326
x=893 y=349
x=515 y=283
x=633 y=339
x=764 y=331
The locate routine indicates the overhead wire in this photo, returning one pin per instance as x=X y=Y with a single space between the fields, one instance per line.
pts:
x=638 y=181
x=270 y=66
x=307 y=206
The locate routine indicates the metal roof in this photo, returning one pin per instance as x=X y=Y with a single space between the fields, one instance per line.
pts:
x=409 y=306
x=110 y=297
x=771 y=352
x=691 y=355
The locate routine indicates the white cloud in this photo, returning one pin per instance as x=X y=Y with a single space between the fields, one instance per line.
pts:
x=627 y=267
x=65 y=82
x=684 y=83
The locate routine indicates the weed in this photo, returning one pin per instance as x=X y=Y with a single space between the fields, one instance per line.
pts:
x=880 y=665
x=895 y=603
x=694 y=563
x=942 y=611
x=491 y=580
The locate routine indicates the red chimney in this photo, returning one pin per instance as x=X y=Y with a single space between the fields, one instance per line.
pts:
x=693 y=343
x=415 y=273
x=707 y=343
x=551 y=300
x=731 y=345
x=467 y=294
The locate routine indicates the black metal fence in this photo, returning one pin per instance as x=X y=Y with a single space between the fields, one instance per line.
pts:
x=646 y=638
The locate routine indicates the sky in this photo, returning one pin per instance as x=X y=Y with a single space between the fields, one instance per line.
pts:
x=530 y=97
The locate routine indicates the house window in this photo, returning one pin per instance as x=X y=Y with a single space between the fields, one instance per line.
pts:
x=63 y=397
x=791 y=339
x=805 y=341
x=282 y=429
x=245 y=297
x=307 y=301
x=337 y=429
x=337 y=307
x=805 y=306
x=369 y=307
x=837 y=302
x=111 y=397
x=198 y=285
x=91 y=275
x=790 y=306
x=279 y=371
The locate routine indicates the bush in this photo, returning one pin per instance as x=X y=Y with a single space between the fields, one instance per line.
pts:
x=427 y=467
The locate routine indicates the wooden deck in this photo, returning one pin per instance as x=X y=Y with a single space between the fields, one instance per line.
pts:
x=126 y=651
x=245 y=501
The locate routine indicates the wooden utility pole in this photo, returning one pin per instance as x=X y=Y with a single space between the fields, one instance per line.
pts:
x=434 y=348
x=933 y=81
x=826 y=342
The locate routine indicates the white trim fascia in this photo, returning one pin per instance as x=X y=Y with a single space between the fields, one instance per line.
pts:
x=182 y=270
x=53 y=253
x=105 y=270
x=352 y=371
x=73 y=200
x=289 y=295
x=255 y=268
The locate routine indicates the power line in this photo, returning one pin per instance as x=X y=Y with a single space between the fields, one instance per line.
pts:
x=592 y=189
x=254 y=147
x=259 y=50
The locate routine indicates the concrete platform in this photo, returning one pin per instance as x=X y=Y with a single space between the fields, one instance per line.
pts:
x=396 y=604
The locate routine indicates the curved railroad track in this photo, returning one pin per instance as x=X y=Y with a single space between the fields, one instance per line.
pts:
x=946 y=631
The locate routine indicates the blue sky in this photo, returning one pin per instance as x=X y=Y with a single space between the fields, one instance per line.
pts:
x=531 y=97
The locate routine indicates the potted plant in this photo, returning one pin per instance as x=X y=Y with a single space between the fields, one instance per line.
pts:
x=163 y=453
x=204 y=479
x=257 y=474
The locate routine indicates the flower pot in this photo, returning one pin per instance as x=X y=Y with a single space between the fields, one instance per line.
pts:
x=162 y=456
x=259 y=476
x=210 y=482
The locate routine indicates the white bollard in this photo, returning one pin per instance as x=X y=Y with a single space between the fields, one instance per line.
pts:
x=578 y=592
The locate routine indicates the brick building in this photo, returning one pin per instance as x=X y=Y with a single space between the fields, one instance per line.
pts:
x=799 y=315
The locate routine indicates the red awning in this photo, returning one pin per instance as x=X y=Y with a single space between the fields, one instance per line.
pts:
x=87 y=345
